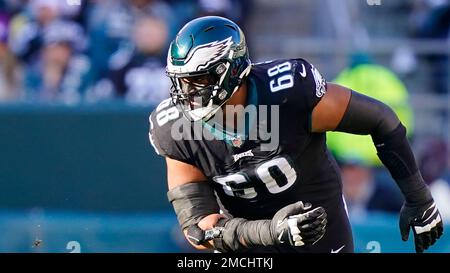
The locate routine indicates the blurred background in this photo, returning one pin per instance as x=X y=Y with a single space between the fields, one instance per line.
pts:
x=78 y=79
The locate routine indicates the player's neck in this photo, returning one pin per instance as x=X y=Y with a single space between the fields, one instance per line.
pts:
x=238 y=98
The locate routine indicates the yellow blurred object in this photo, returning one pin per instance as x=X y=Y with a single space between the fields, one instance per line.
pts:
x=16 y=25
x=380 y=83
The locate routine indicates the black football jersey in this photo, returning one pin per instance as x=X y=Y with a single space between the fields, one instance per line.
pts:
x=250 y=180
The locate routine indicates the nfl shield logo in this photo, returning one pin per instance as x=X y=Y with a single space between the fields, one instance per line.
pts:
x=237 y=142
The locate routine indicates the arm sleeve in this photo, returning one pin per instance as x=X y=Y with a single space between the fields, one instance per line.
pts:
x=367 y=116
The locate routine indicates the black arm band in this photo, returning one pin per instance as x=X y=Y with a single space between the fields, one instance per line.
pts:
x=192 y=202
x=368 y=116
x=238 y=234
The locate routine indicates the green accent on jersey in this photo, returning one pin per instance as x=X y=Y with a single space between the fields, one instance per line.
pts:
x=219 y=132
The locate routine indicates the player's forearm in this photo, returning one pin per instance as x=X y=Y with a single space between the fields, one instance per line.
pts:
x=296 y=224
x=195 y=202
x=239 y=233
x=367 y=116
x=396 y=154
x=231 y=234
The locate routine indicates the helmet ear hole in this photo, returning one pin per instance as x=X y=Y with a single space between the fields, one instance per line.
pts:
x=221 y=68
x=222 y=95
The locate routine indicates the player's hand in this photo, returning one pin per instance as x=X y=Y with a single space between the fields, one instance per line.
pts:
x=425 y=222
x=299 y=224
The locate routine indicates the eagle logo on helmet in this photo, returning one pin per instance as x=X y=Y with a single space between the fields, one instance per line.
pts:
x=203 y=55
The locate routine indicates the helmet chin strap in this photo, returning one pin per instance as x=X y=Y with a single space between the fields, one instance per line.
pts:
x=246 y=71
x=202 y=113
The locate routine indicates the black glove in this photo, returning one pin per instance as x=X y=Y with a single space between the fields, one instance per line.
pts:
x=426 y=224
x=298 y=224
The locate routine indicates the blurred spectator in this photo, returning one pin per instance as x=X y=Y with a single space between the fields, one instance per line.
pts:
x=60 y=71
x=29 y=27
x=9 y=70
x=362 y=193
x=236 y=10
x=231 y=9
x=225 y=8
x=184 y=11
x=433 y=163
x=110 y=24
x=380 y=83
x=72 y=9
x=12 y=6
x=137 y=72
x=435 y=24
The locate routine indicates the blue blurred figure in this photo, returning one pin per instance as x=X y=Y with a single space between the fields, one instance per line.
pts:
x=136 y=72
x=110 y=24
x=60 y=72
x=433 y=162
x=9 y=69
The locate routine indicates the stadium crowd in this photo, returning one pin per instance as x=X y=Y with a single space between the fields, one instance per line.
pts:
x=71 y=50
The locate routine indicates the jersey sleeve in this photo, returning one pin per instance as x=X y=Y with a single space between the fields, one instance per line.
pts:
x=309 y=88
x=152 y=135
x=160 y=134
x=310 y=85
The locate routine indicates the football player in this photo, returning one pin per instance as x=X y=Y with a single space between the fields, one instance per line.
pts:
x=236 y=193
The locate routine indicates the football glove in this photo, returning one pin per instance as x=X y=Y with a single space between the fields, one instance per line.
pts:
x=425 y=222
x=298 y=224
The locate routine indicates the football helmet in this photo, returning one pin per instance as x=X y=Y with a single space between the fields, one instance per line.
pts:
x=206 y=63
